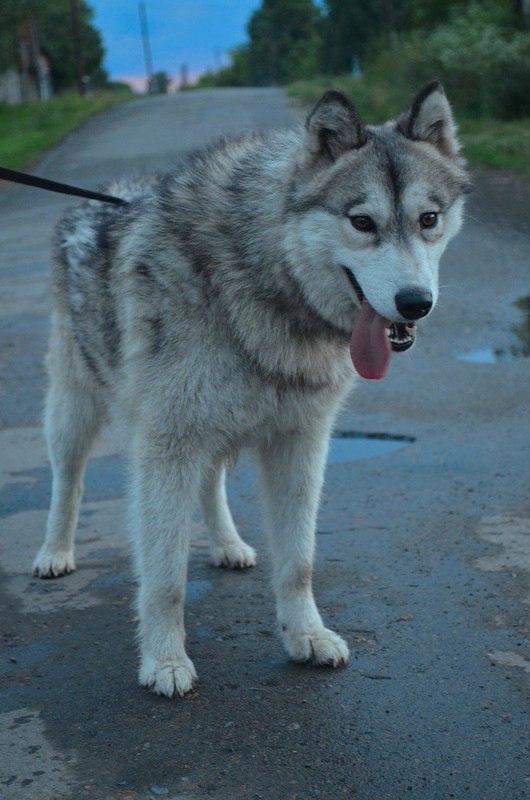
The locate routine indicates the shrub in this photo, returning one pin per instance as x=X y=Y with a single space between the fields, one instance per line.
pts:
x=484 y=63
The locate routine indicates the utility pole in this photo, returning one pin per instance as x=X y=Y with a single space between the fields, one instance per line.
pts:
x=78 y=49
x=147 y=46
x=183 y=76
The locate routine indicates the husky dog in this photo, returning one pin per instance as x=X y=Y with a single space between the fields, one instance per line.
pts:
x=221 y=308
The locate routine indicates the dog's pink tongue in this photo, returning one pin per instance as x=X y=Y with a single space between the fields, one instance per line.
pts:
x=369 y=344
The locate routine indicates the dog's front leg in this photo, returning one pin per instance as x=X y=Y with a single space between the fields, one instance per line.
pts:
x=165 y=491
x=293 y=468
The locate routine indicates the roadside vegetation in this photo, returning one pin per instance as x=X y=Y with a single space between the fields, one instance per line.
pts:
x=53 y=22
x=381 y=53
x=26 y=130
x=486 y=141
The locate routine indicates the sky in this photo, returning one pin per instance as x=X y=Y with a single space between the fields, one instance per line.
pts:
x=197 y=33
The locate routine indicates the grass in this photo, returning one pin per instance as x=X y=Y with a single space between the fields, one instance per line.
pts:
x=486 y=142
x=495 y=143
x=29 y=129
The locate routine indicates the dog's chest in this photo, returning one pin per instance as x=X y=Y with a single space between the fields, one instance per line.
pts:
x=250 y=409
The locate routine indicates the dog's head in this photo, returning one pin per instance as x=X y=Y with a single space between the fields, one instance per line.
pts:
x=371 y=210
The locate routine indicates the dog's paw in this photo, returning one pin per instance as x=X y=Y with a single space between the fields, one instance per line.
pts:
x=320 y=647
x=53 y=565
x=235 y=555
x=169 y=678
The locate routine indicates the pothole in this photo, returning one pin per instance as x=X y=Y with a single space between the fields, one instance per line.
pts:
x=354 y=446
x=520 y=348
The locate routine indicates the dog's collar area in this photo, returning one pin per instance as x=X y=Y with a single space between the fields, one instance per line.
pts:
x=402 y=335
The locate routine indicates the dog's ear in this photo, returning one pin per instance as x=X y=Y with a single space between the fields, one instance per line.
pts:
x=429 y=119
x=334 y=127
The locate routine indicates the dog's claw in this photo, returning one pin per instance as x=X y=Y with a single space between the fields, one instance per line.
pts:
x=321 y=647
x=53 y=565
x=168 y=678
x=237 y=555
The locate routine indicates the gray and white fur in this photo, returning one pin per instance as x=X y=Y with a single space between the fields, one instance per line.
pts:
x=214 y=312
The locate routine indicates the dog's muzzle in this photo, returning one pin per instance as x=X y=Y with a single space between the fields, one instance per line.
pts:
x=402 y=335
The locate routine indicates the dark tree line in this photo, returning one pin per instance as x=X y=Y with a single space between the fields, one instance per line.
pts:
x=54 y=26
x=290 y=40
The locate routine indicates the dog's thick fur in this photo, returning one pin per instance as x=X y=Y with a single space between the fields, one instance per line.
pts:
x=213 y=312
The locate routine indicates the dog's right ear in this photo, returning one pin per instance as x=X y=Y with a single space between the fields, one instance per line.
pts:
x=430 y=119
x=334 y=127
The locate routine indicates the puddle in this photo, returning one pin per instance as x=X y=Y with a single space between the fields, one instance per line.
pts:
x=348 y=446
x=486 y=355
x=519 y=349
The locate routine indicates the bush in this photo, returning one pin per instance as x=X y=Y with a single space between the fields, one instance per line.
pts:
x=236 y=74
x=483 y=62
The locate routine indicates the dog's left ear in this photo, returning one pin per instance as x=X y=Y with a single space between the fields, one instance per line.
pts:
x=334 y=127
x=429 y=119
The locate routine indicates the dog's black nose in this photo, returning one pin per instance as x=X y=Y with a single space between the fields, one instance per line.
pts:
x=413 y=303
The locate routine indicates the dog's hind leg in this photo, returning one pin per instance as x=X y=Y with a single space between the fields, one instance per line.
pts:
x=73 y=416
x=165 y=493
x=227 y=548
x=292 y=468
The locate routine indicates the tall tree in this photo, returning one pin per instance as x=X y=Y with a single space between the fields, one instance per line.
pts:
x=54 y=25
x=347 y=27
x=55 y=29
x=284 y=42
x=426 y=14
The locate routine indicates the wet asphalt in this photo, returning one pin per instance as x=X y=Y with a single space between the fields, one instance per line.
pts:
x=423 y=548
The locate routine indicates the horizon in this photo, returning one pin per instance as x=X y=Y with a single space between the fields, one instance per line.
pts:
x=196 y=34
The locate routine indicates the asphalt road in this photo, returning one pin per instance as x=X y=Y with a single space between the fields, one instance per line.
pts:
x=422 y=552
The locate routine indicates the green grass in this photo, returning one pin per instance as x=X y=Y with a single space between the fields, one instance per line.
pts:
x=29 y=129
x=494 y=143
x=486 y=142
x=375 y=102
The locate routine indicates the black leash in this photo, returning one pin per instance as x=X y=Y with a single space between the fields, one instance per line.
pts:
x=52 y=186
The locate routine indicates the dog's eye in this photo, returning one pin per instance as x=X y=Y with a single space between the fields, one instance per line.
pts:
x=364 y=223
x=429 y=219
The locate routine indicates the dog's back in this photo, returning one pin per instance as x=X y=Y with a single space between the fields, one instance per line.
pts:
x=200 y=247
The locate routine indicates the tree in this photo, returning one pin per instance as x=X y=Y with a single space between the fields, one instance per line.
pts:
x=284 y=42
x=427 y=14
x=55 y=30
x=347 y=28
x=54 y=25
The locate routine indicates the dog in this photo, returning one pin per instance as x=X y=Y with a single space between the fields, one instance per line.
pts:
x=231 y=304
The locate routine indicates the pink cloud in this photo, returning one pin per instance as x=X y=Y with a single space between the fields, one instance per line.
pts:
x=138 y=83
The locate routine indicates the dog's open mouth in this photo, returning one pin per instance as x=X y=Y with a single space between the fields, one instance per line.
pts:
x=373 y=337
x=402 y=336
